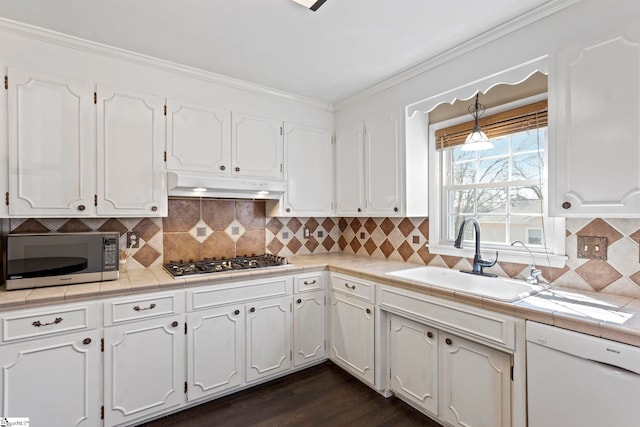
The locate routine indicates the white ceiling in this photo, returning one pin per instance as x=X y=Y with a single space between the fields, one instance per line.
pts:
x=329 y=55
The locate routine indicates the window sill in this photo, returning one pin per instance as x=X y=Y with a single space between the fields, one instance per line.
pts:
x=541 y=259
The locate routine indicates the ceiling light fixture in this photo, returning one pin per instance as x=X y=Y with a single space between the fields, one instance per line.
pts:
x=477 y=140
x=311 y=4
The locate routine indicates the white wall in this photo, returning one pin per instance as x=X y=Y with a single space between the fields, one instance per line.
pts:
x=522 y=45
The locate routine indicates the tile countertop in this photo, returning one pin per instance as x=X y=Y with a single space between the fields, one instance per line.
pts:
x=609 y=316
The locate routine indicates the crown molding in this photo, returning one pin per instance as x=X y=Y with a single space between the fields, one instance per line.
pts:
x=521 y=21
x=72 y=42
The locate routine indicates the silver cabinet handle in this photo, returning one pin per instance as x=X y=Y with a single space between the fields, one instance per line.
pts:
x=137 y=308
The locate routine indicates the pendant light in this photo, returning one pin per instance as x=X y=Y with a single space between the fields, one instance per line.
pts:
x=477 y=140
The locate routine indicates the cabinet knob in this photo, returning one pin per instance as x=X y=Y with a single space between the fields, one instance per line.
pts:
x=154 y=208
x=430 y=334
x=566 y=205
x=288 y=209
x=81 y=207
x=368 y=310
x=237 y=169
x=236 y=312
x=359 y=210
x=222 y=167
x=448 y=341
x=299 y=301
x=252 y=309
x=174 y=324
x=395 y=209
x=86 y=341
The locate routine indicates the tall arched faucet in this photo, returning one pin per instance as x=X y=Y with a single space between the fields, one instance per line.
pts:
x=478 y=262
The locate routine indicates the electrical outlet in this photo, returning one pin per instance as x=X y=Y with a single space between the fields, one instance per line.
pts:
x=133 y=239
x=590 y=247
x=307 y=233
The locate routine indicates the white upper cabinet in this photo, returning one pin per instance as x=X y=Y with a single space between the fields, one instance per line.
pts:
x=51 y=126
x=131 y=135
x=74 y=151
x=198 y=138
x=257 y=146
x=308 y=163
x=367 y=168
x=594 y=130
x=382 y=178
x=350 y=169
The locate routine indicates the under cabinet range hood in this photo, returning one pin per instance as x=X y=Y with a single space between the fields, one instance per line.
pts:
x=193 y=185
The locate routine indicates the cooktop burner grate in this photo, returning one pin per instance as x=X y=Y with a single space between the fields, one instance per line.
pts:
x=213 y=265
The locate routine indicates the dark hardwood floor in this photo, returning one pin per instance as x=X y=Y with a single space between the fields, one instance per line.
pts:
x=323 y=395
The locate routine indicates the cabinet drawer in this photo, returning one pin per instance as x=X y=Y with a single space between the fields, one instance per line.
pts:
x=308 y=282
x=356 y=287
x=43 y=322
x=143 y=307
x=479 y=324
x=218 y=295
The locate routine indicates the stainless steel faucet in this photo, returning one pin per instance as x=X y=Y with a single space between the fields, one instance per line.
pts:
x=535 y=275
x=478 y=262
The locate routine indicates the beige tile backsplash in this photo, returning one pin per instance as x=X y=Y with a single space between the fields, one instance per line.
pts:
x=198 y=228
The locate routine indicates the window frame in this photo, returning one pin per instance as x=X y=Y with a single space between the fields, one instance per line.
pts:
x=553 y=256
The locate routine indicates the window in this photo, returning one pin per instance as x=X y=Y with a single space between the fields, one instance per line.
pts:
x=503 y=188
x=500 y=187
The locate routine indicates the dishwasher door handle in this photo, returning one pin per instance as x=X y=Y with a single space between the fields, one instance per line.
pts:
x=611 y=367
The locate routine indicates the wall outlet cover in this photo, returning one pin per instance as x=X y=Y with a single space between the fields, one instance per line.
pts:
x=133 y=239
x=591 y=247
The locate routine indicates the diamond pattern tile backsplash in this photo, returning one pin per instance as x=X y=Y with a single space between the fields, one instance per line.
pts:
x=198 y=228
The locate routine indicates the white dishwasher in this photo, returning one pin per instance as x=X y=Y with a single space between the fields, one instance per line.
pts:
x=577 y=380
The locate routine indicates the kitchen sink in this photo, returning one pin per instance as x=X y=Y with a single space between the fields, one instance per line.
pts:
x=498 y=288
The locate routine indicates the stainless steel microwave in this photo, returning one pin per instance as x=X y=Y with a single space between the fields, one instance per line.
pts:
x=51 y=259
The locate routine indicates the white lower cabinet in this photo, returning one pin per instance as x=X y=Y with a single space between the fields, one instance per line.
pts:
x=50 y=365
x=308 y=327
x=215 y=351
x=144 y=368
x=457 y=380
x=55 y=382
x=413 y=362
x=237 y=334
x=475 y=384
x=268 y=338
x=352 y=335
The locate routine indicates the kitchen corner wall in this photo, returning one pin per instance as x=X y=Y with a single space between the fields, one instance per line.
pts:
x=198 y=228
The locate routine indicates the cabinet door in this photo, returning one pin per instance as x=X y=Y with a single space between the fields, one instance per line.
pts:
x=268 y=339
x=413 y=362
x=51 y=145
x=309 y=171
x=257 y=146
x=55 y=382
x=308 y=328
x=594 y=149
x=475 y=384
x=350 y=170
x=131 y=132
x=352 y=334
x=382 y=174
x=198 y=138
x=215 y=350
x=143 y=368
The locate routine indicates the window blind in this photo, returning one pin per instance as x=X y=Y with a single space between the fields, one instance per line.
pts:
x=519 y=119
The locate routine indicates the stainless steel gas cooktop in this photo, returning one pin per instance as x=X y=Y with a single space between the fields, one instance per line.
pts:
x=213 y=265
